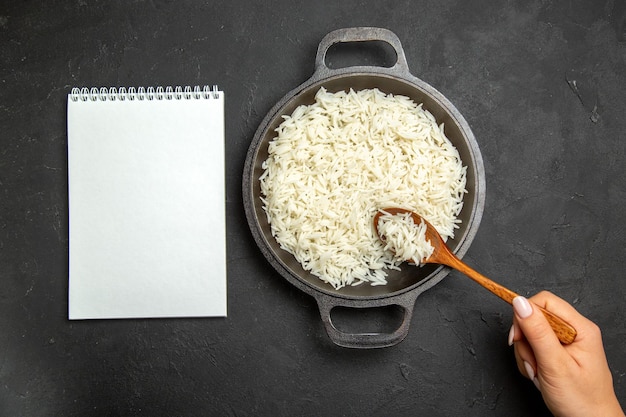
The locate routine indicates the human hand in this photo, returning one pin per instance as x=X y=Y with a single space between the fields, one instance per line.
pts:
x=574 y=380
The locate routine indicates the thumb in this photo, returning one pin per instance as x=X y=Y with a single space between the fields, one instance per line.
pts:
x=536 y=330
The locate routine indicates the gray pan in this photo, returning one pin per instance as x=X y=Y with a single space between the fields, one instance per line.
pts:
x=403 y=286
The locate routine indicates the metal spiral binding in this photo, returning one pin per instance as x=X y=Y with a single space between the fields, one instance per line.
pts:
x=141 y=93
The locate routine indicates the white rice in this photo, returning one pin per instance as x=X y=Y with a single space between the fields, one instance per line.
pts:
x=404 y=238
x=335 y=163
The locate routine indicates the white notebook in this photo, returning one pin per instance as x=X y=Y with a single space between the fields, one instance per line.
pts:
x=146 y=203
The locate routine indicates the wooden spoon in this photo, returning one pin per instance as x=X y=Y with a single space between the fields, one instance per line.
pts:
x=443 y=256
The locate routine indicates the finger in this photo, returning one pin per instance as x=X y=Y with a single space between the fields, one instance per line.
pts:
x=511 y=338
x=525 y=358
x=526 y=362
x=515 y=333
x=566 y=311
x=555 y=305
x=536 y=330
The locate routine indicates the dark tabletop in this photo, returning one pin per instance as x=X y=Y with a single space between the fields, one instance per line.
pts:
x=542 y=85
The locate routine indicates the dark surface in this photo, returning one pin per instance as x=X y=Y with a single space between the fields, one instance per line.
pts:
x=541 y=83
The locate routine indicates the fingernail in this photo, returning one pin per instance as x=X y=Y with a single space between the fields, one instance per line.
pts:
x=522 y=307
x=530 y=371
x=511 y=335
x=537 y=384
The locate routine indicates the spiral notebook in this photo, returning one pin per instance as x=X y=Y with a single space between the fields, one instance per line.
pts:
x=146 y=202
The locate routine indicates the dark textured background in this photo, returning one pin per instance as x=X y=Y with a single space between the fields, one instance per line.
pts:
x=542 y=84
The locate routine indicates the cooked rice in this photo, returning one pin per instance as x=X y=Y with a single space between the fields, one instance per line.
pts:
x=404 y=238
x=333 y=164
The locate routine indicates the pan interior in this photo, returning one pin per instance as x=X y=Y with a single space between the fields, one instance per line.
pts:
x=409 y=276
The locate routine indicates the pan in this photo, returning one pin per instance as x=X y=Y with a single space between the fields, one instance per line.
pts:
x=403 y=286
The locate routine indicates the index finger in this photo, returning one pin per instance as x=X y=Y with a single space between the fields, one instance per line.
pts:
x=566 y=311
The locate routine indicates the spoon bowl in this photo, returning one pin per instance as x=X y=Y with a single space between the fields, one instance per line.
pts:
x=443 y=255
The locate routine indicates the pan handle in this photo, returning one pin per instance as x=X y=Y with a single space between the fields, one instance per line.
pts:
x=367 y=340
x=360 y=34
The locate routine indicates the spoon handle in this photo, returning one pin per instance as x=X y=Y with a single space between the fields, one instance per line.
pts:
x=563 y=330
